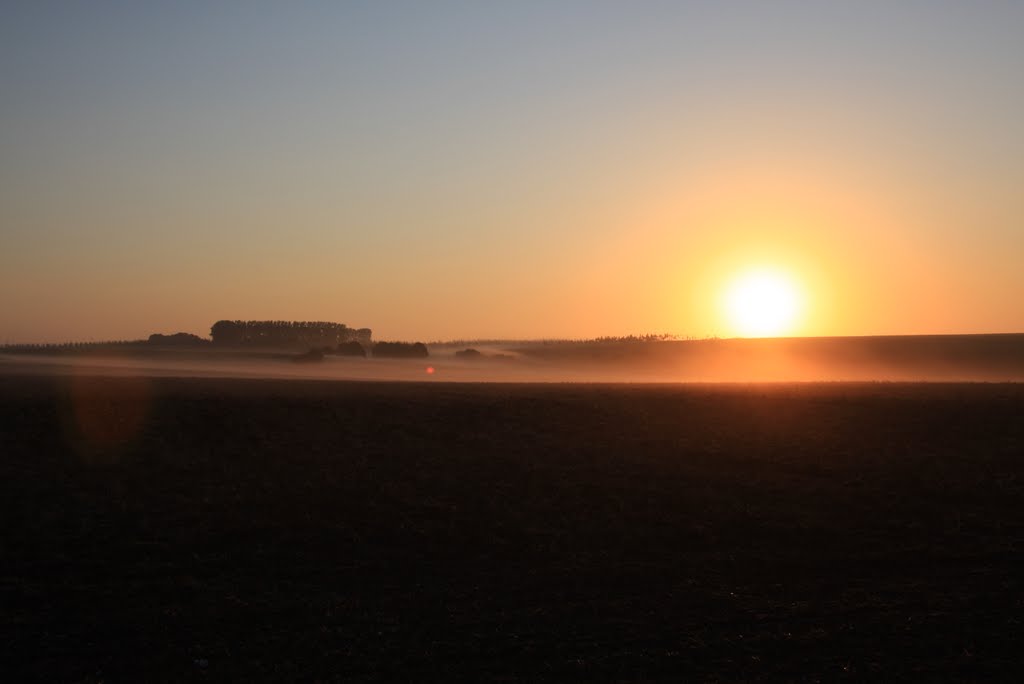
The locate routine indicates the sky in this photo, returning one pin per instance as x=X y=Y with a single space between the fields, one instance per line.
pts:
x=446 y=170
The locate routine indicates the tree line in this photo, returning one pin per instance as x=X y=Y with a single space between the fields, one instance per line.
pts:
x=68 y=346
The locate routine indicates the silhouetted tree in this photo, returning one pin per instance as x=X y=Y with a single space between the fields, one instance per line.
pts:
x=228 y=332
x=180 y=339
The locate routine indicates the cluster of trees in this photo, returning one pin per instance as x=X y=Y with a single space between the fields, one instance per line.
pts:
x=394 y=350
x=401 y=350
x=352 y=348
x=181 y=339
x=286 y=334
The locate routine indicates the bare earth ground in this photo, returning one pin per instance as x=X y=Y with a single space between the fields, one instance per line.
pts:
x=175 y=529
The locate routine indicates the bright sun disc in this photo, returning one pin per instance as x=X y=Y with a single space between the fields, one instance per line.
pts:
x=762 y=304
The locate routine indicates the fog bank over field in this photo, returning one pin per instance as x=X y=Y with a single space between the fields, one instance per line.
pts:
x=921 y=358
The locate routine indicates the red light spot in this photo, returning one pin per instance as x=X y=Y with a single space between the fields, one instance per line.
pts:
x=430 y=370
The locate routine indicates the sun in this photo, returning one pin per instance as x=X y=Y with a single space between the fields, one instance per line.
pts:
x=762 y=303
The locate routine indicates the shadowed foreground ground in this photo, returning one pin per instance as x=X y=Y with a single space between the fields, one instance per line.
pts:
x=209 y=529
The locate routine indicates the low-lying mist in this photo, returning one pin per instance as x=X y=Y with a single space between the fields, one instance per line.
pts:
x=987 y=358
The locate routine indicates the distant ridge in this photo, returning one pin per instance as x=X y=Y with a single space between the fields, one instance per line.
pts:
x=668 y=337
x=984 y=356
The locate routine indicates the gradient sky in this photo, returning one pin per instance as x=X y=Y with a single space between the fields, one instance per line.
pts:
x=438 y=170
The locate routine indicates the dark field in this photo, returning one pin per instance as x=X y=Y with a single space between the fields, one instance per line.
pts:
x=172 y=529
